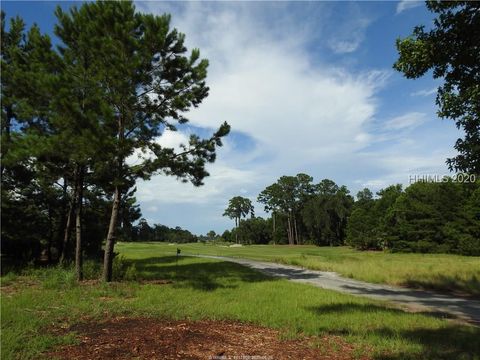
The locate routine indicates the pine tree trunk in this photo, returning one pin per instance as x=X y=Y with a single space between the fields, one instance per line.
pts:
x=236 y=230
x=78 y=226
x=68 y=225
x=50 y=235
x=61 y=221
x=110 y=242
x=273 y=235
x=66 y=236
x=290 y=234
x=295 y=228
x=109 y=245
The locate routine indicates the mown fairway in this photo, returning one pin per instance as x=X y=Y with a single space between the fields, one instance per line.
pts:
x=441 y=272
x=208 y=289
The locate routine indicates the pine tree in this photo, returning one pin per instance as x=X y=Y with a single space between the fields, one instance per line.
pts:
x=149 y=83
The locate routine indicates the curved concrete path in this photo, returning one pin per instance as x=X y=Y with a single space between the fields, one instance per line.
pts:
x=418 y=300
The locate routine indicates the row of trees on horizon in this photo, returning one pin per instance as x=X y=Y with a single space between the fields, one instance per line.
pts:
x=425 y=217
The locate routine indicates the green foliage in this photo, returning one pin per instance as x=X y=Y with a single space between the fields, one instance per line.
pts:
x=239 y=207
x=71 y=116
x=362 y=230
x=91 y=269
x=131 y=273
x=303 y=212
x=254 y=231
x=369 y=223
x=55 y=277
x=124 y=269
x=430 y=217
x=144 y=232
x=450 y=50
x=426 y=217
x=325 y=214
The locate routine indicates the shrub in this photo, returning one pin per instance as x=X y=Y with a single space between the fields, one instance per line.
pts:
x=58 y=278
x=131 y=273
x=468 y=245
x=92 y=269
x=124 y=270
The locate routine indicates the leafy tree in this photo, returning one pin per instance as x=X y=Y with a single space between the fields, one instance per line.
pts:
x=364 y=197
x=27 y=64
x=362 y=229
x=149 y=83
x=227 y=236
x=451 y=50
x=325 y=214
x=60 y=110
x=238 y=207
x=369 y=222
x=254 y=231
x=469 y=229
x=286 y=197
x=423 y=217
x=12 y=48
x=211 y=235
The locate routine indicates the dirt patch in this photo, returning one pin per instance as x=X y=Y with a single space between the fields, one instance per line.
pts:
x=146 y=338
x=18 y=285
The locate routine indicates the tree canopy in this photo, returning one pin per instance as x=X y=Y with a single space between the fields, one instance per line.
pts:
x=72 y=117
x=451 y=51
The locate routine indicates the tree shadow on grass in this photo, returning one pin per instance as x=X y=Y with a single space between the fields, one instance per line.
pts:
x=454 y=341
x=204 y=275
x=449 y=284
x=468 y=309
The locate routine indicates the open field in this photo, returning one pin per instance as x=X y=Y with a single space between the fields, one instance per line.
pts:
x=441 y=272
x=36 y=307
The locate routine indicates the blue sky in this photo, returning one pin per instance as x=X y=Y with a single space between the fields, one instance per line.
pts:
x=307 y=87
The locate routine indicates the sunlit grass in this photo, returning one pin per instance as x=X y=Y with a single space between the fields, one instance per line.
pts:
x=441 y=272
x=205 y=288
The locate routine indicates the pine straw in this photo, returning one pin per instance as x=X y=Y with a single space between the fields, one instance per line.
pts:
x=148 y=338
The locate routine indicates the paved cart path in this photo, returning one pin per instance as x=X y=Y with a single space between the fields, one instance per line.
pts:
x=419 y=300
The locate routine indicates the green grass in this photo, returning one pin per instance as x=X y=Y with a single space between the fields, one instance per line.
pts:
x=441 y=272
x=204 y=288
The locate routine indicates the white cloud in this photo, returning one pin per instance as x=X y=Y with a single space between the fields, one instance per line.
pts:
x=168 y=190
x=265 y=86
x=351 y=37
x=424 y=92
x=403 y=165
x=407 y=5
x=169 y=139
x=349 y=29
x=302 y=114
x=173 y=139
x=407 y=121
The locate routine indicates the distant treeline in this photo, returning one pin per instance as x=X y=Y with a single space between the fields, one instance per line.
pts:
x=144 y=232
x=425 y=217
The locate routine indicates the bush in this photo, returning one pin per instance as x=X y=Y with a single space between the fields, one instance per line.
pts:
x=401 y=246
x=57 y=277
x=131 y=273
x=468 y=245
x=92 y=269
x=124 y=270
x=424 y=246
